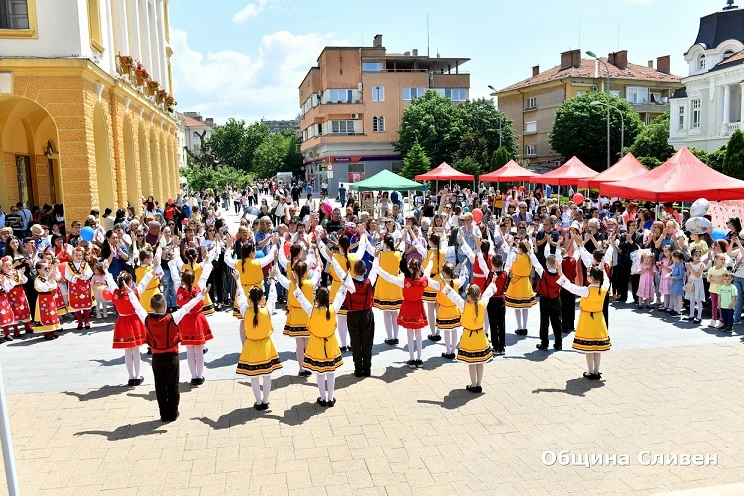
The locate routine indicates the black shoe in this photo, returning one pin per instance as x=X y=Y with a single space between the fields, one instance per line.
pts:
x=474 y=389
x=205 y=350
x=331 y=403
x=391 y=342
x=149 y=350
x=321 y=402
x=588 y=375
x=396 y=341
x=195 y=382
x=452 y=356
x=86 y=326
x=172 y=419
x=697 y=321
x=435 y=337
x=257 y=406
x=542 y=346
x=419 y=363
x=264 y=406
x=305 y=373
x=80 y=325
x=411 y=364
x=445 y=355
x=499 y=351
x=521 y=332
x=558 y=347
x=367 y=373
x=200 y=381
x=138 y=381
x=358 y=373
x=131 y=382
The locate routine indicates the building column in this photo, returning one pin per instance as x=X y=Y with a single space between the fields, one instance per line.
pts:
x=161 y=51
x=119 y=25
x=157 y=74
x=726 y=104
x=133 y=27
x=144 y=25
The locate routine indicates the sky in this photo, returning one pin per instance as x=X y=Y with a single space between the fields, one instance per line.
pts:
x=246 y=58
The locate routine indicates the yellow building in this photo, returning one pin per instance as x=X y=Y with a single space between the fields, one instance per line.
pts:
x=94 y=129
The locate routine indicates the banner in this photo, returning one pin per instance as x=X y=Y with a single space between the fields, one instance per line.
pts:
x=720 y=212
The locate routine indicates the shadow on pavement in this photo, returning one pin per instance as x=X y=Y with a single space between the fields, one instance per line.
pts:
x=575 y=387
x=231 y=359
x=454 y=399
x=128 y=431
x=103 y=392
x=110 y=363
x=297 y=415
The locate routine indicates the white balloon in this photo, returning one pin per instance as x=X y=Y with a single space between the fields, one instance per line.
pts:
x=698 y=225
x=699 y=208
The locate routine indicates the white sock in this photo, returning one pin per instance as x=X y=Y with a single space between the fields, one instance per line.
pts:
x=699 y=309
x=419 y=343
x=473 y=374
x=395 y=323
x=478 y=373
x=453 y=341
x=190 y=359
x=447 y=340
x=199 y=360
x=343 y=330
x=256 y=389
x=524 y=317
x=387 y=317
x=330 y=385
x=266 y=388
x=692 y=308
x=410 y=342
x=322 y=386
x=431 y=315
x=518 y=314
x=136 y=360
x=128 y=362
x=299 y=352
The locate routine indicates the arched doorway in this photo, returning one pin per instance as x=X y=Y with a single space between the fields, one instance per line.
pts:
x=104 y=174
x=154 y=166
x=130 y=168
x=145 y=187
x=29 y=154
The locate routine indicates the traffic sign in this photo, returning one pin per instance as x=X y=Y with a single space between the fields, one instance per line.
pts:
x=329 y=175
x=329 y=168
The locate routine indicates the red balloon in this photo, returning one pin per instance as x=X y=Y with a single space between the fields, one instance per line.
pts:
x=578 y=199
x=107 y=295
x=477 y=214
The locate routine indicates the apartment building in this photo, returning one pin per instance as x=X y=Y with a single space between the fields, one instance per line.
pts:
x=277 y=126
x=352 y=104
x=195 y=127
x=531 y=104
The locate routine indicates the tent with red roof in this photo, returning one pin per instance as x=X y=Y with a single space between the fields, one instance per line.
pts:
x=511 y=171
x=627 y=167
x=445 y=172
x=567 y=174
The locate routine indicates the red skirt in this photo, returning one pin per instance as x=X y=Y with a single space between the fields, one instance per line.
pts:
x=129 y=332
x=6 y=313
x=195 y=330
x=45 y=317
x=19 y=304
x=412 y=315
x=59 y=299
x=79 y=294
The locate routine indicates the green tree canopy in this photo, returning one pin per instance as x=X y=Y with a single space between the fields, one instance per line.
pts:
x=214 y=178
x=653 y=140
x=581 y=129
x=415 y=162
x=484 y=119
x=733 y=164
x=277 y=153
x=500 y=158
x=228 y=144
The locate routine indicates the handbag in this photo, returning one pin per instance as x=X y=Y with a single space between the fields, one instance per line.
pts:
x=688 y=287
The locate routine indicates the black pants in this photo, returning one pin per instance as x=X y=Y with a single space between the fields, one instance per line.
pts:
x=497 y=322
x=606 y=310
x=362 y=333
x=550 y=315
x=622 y=277
x=166 y=371
x=635 y=280
x=568 y=310
x=236 y=204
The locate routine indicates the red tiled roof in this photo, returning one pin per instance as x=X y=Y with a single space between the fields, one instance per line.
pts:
x=588 y=70
x=190 y=122
x=735 y=57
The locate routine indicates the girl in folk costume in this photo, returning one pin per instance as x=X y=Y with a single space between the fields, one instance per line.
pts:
x=259 y=358
x=7 y=317
x=251 y=273
x=149 y=261
x=388 y=296
x=412 y=316
x=195 y=330
x=434 y=259
x=78 y=274
x=98 y=284
x=323 y=354
x=520 y=295
x=473 y=348
x=600 y=260
x=46 y=319
x=591 y=335
x=346 y=260
x=17 y=296
x=129 y=332
x=207 y=308
x=62 y=252
x=448 y=314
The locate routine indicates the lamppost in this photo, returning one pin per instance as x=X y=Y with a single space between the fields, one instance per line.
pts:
x=501 y=116
x=607 y=90
x=622 y=123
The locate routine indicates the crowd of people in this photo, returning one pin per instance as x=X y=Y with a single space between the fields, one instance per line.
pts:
x=451 y=263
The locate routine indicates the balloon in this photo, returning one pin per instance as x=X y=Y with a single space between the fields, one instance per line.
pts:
x=477 y=215
x=548 y=190
x=578 y=199
x=718 y=234
x=698 y=225
x=107 y=295
x=699 y=208
x=521 y=188
x=326 y=208
x=87 y=233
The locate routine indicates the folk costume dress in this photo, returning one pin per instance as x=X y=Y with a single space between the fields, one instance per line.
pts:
x=448 y=313
x=251 y=274
x=412 y=314
x=46 y=318
x=437 y=259
x=152 y=288
x=389 y=296
x=7 y=317
x=195 y=330
x=129 y=331
x=79 y=292
x=474 y=346
x=297 y=318
x=17 y=298
x=322 y=354
x=519 y=294
x=346 y=267
x=61 y=291
x=591 y=331
x=258 y=357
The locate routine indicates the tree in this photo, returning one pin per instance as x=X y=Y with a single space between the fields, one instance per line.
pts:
x=650 y=162
x=500 y=158
x=435 y=123
x=716 y=158
x=653 y=140
x=277 y=153
x=733 y=164
x=415 y=162
x=214 y=178
x=485 y=120
x=580 y=129
x=233 y=144
x=468 y=165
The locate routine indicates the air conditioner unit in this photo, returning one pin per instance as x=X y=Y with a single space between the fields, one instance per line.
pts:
x=355 y=116
x=359 y=86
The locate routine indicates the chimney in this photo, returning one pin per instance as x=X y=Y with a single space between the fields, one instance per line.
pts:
x=663 y=64
x=209 y=122
x=619 y=59
x=535 y=70
x=571 y=58
x=576 y=58
x=377 y=42
x=414 y=52
x=651 y=64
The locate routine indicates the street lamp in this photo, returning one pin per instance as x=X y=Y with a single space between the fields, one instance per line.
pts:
x=622 y=123
x=501 y=116
x=607 y=89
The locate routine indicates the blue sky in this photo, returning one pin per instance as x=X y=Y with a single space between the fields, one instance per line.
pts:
x=246 y=58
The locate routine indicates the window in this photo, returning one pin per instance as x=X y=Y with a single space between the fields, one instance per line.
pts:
x=378 y=93
x=336 y=96
x=581 y=92
x=94 y=26
x=456 y=94
x=701 y=62
x=530 y=150
x=320 y=129
x=697 y=114
x=530 y=103
x=411 y=93
x=530 y=127
x=342 y=127
x=681 y=123
x=371 y=66
x=14 y=14
x=378 y=124
x=615 y=93
x=635 y=94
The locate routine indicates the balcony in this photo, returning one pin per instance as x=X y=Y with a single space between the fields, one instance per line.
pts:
x=729 y=129
x=461 y=80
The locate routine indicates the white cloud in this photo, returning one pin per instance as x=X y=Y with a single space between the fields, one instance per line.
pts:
x=249 y=11
x=242 y=85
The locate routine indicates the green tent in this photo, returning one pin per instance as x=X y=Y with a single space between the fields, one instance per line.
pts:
x=387 y=181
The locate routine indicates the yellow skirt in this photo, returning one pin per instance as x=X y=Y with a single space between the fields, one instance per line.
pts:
x=258 y=358
x=519 y=294
x=207 y=307
x=474 y=347
x=591 y=333
x=448 y=317
x=296 y=325
x=430 y=294
x=388 y=296
x=322 y=354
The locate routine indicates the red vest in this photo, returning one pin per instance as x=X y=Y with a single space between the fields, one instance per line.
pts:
x=362 y=298
x=163 y=335
x=501 y=280
x=547 y=286
x=569 y=268
x=479 y=278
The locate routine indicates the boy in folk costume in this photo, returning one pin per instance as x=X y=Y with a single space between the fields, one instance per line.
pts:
x=17 y=297
x=550 y=299
x=496 y=309
x=46 y=319
x=360 y=318
x=568 y=299
x=78 y=274
x=163 y=337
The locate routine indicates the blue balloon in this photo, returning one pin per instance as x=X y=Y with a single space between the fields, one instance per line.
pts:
x=718 y=234
x=87 y=233
x=548 y=190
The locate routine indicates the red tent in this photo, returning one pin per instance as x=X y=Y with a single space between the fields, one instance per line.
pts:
x=511 y=171
x=444 y=172
x=682 y=178
x=567 y=174
x=627 y=167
